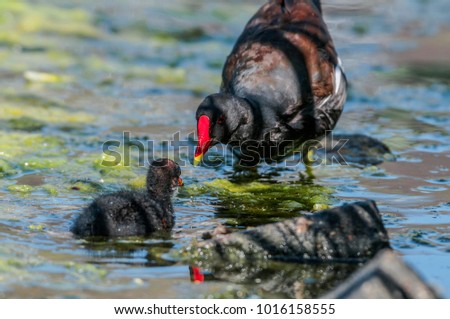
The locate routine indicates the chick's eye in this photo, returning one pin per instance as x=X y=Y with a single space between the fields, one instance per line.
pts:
x=221 y=120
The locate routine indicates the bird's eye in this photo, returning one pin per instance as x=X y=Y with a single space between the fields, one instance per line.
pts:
x=221 y=120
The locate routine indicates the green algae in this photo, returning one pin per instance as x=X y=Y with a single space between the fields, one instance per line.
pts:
x=170 y=76
x=33 y=163
x=417 y=73
x=45 y=77
x=10 y=267
x=318 y=207
x=96 y=172
x=6 y=169
x=138 y=182
x=36 y=227
x=257 y=203
x=85 y=186
x=143 y=29
x=174 y=76
x=305 y=196
x=86 y=272
x=361 y=28
x=21 y=189
x=222 y=14
x=28 y=116
x=25 y=123
x=50 y=189
x=420 y=237
x=32 y=18
x=9 y=39
x=119 y=170
x=17 y=144
x=30 y=99
x=230 y=187
x=23 y=152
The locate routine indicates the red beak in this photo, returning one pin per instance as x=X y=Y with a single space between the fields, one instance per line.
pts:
x=180 y=182
x=204 y=140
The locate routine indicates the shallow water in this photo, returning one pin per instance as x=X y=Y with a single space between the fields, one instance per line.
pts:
x=75 y=74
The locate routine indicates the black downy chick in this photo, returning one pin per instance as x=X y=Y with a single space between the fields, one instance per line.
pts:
x=134 y=213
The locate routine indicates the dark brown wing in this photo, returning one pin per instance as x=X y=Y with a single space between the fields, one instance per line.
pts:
x=290 y=40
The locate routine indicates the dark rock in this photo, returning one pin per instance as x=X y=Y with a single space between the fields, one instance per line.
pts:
x=349 y=233
x=386 y=276
x=357 y=149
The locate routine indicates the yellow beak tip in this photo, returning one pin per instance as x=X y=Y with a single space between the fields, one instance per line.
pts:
x=197 y=160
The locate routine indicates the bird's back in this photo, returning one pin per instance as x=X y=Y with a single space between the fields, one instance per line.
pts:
x=284 y=60
x=124 y=213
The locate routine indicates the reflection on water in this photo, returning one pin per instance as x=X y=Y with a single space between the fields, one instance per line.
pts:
x=283 y=280
x=144 y=67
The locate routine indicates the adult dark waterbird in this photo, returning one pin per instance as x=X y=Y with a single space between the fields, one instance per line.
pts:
x=134 y=213
x=283 y=86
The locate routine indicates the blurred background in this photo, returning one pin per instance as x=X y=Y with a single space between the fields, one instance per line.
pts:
x=74 y=74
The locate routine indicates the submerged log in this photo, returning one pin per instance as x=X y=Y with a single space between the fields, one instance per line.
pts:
x=352 y=232
x=386 y=276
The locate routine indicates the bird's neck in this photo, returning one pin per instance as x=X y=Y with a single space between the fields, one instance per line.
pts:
x=250 y=123
x=162 y=194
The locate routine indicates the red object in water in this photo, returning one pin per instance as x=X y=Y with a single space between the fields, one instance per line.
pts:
x=196 y=274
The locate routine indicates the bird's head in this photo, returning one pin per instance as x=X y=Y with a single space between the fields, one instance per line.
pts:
x=218 y=118
x=163 y=177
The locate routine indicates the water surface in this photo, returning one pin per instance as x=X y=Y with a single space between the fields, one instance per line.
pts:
x=75 y=74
